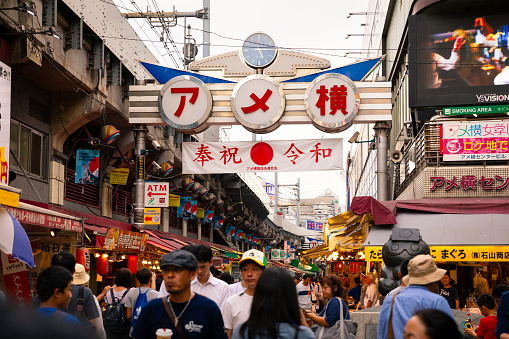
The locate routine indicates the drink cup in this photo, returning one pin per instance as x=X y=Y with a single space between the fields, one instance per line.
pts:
x=164 y=333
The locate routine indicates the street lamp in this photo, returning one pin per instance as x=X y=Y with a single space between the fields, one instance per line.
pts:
x=23 y=8
x=361 y=13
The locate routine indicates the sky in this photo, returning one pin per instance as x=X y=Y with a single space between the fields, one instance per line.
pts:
x=316 y=27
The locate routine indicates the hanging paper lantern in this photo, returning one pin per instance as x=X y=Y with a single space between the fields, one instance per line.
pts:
x=102 y=265
x=109 y=134
x=83 y=257
x=132 y=263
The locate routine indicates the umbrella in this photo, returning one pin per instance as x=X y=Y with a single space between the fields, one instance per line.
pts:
x=13 y=238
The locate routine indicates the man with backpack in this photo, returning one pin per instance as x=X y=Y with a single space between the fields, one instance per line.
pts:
x=82 y=304
x=115 y=320
x=137 y=298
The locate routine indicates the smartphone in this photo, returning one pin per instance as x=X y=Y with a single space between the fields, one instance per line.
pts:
x=466 y=324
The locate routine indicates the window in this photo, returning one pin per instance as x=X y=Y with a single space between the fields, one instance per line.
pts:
x=31 y=149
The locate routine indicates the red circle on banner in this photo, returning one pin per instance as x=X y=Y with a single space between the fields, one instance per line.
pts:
x=262 y=153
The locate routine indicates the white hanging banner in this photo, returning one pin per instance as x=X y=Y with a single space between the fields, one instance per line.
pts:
x=262 y=156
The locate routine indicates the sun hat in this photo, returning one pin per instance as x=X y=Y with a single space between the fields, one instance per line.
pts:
x=423 y=270
x=256 y=256
x=80 y=276
x=179 y=258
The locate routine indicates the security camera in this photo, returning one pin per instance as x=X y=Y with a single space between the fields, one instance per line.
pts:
x=354 y=137
x=156 y=145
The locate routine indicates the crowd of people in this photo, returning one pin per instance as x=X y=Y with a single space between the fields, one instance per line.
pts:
x=267 y=303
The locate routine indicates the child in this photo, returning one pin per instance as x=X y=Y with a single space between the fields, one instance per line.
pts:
x=487 y=325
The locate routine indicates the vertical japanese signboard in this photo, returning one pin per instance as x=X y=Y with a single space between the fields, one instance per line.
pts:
x=5 y=121
x=476 y=140
x=269 y=156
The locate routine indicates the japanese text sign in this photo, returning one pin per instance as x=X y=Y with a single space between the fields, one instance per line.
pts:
x=332 y=101
x=152 y=216
x=118 y=176
x=267 y=156
x=185 y=102
x=310 y=225
x=5 y=121
x=258 y=102
x=46 y=220
x=454 y=253
x=156 y=194
x=125 y=241
x=479 y=140
x=469 y=182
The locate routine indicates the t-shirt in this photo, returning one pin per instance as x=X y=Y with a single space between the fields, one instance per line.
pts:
x=487 y=327
x=132 y=295
x=118 y=296
x=284 y=331
x=235 y=288
x=201 y=319
x=371 y=294
x=333 y=309
x=236 y=310
x=47 y=312
x=89 y=308
x=304 y=296
x=450 y=294
x=355 y=293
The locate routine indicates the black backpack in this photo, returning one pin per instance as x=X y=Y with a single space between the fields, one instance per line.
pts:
x=114 y=317
x=87 y=325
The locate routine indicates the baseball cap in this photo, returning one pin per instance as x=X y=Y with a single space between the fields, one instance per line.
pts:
x=256 y=256
x=179 y=258
x=423 y=270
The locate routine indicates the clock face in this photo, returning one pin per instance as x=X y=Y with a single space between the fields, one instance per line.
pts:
x=259 y=50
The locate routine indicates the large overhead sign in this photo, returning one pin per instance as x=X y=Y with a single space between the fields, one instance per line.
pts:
x=266 y=156
x=474 y=141
x=331 y=101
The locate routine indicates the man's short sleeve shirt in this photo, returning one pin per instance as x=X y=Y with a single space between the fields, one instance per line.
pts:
x=236 y=310
x=201 y=319
x=304 y=295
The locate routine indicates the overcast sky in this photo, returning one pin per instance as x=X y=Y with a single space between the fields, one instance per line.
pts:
x=316 y=27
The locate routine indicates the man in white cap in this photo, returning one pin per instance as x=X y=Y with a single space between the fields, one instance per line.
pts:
x=237 y=308
x=420 y=293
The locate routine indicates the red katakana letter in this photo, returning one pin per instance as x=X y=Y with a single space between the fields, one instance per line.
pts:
x=451 y=183
x=185 y=90
x=259 y=103
x=437 y=181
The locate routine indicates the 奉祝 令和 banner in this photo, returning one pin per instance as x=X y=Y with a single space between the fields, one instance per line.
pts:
x=262 y=156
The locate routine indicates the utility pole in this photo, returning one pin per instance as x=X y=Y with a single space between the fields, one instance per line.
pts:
x=206 y=28
x=140 y=132
x=381 y=133
x=298 y=202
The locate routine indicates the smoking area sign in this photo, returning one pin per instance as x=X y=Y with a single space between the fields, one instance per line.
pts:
x=156 y=194
x=152 y=216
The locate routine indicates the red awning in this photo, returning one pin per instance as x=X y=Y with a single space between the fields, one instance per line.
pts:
x=384 y=212
x=158 y=243
x=170 y=246
x=97 y=229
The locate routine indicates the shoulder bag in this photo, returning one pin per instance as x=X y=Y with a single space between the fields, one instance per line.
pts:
x=172 y=316
x=344 y=329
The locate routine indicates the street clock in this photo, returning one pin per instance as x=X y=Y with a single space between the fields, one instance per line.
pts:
x=259 y=50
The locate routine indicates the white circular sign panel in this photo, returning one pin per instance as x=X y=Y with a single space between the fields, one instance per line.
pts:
x=258 y=102
x=332 y=101
x=185 y=103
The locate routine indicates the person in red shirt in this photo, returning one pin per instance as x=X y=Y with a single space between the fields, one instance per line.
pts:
x=487 y=325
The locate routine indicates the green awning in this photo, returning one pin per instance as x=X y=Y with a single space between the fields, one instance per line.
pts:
x=231 y=255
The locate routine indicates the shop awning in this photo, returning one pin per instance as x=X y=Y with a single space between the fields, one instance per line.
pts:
x=316 y=251
x=447 y=229
x=162 y=243
x=38 y=216
x=451 y=237
x=348 y=230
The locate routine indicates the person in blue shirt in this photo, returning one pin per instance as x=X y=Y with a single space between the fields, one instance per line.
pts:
x=355 y=292
x=54 y=289
x=195 y=315
x=332 y=288
x=502 y=331
x=420 y=293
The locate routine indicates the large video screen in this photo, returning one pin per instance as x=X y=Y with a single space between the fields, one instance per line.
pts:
x=459 y=59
